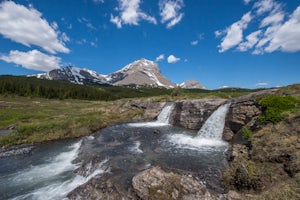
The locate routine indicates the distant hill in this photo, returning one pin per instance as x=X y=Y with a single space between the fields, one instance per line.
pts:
x=191 y=84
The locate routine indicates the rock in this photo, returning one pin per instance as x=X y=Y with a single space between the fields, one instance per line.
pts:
x=233 y=195
x=151 y=109
x=228 y=134
x=98 y=188
x=191 y=114
x=154 y=183
x=15 y=150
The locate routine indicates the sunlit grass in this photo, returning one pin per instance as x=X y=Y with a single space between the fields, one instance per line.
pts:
x=36 y=120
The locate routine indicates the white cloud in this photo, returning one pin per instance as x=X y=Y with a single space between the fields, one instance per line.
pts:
x=276 y=31
x=247 y=1
x=170 y=12
x=194 y=43
x=264 y=6
x=234 y=34
x=272 y=19
x=159 y=58
x=261 y=84
x=252 y=39
x=172 y=59
x=26 y=26
x=32 y=60
x=130 y=14
x=86 y=22
x=287 y=37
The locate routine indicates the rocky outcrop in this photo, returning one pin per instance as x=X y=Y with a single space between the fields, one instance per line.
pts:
x=150 y=108
x=191 y=114
x=154 y=184
x=243 y=112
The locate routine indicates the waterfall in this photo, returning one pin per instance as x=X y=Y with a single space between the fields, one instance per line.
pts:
x=209 y=137
x=214 y=125
x=164 y=115
x=162 y=119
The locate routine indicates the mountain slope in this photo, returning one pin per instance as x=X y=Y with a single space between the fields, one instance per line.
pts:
x=75 y=75
x=140 y=73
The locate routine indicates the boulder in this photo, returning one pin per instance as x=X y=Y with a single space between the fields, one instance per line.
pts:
x=154 y=184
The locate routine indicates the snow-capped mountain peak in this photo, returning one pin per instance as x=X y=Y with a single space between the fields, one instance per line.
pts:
x=142 y=72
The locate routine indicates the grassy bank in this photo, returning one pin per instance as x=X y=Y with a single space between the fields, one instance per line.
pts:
x=35 y=119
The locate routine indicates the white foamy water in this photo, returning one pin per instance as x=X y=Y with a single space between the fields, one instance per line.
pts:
x=209 y=137
x=162 y=119
x=214 y=125
x=53 y=179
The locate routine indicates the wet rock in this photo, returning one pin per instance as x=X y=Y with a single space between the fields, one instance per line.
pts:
x=228 y=134
x=15 y=150
x=102 y=187
x=154 y=183
x=191 y=114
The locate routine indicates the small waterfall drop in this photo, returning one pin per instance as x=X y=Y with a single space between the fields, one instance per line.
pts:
x=164 y=115
x=214 y=125
x=162 y=119
x=209 y=137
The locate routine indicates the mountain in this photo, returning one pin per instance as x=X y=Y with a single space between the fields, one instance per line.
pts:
x=74 y=75
x=139 y=73
x=191 y=84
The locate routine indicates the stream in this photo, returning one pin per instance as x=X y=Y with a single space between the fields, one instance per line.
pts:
x=54 y=169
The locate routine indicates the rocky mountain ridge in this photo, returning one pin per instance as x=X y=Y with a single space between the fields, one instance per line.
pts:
x=142 y=72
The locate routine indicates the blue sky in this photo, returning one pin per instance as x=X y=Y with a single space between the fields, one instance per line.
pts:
x=244 y=43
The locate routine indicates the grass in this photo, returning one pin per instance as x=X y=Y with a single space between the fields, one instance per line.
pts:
x=36 y=120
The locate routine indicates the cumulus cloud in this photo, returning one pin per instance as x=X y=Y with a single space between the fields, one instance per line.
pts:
x=159 y=58
x=172 y=59
x=32 y=60
x=234 y=34
x=170 y=12
x=277 y=30
x=26 y=26
x=130 y=14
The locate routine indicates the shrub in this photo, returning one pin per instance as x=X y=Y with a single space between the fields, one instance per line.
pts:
x=274 y=106
x=247 y=134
